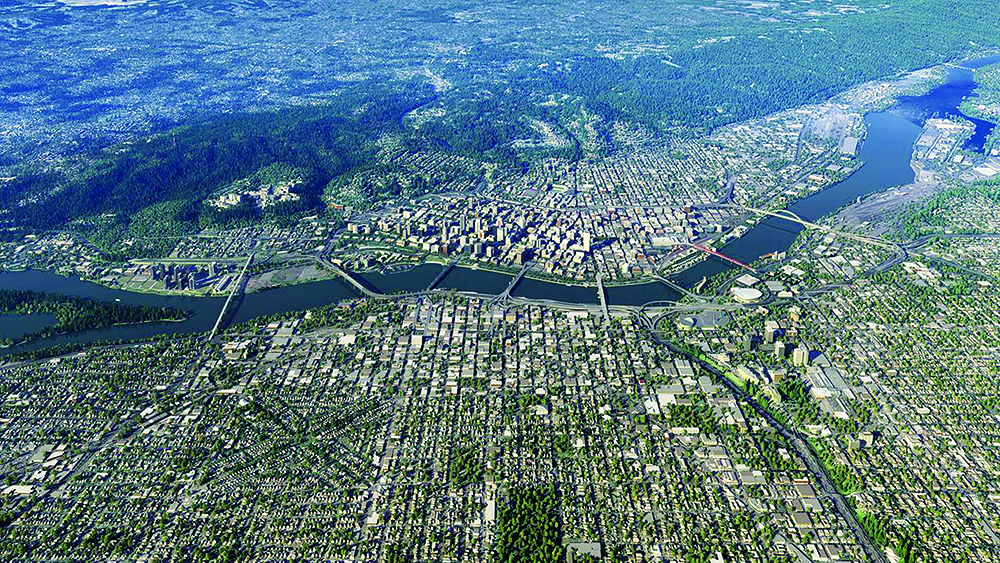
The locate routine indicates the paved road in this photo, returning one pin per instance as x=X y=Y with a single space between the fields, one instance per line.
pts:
x=804 y=451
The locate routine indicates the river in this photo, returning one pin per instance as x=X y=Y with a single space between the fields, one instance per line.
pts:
x=886 y=152
x=203 y=311
x=945 y=100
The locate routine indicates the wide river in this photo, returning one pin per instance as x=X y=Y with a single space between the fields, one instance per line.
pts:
x=886 y=152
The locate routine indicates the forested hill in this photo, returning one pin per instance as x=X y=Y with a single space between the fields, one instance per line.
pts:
x=665 y=67
x=189 y=162
x=738 y=67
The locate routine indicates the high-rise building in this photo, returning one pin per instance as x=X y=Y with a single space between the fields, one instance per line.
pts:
x=800 y=356
x=780 y=350
x=770 y=332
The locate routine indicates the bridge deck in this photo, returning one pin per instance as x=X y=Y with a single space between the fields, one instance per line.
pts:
x=238 y=287
x=604 y=298
x=444 y=272
x=718 y=254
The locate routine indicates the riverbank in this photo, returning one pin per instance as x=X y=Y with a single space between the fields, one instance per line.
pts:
x=65 y=333
x=886 y=153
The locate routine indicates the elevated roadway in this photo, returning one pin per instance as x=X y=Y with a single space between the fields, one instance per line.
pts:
x=239 y=287
x=792 y=217
x=362 y=288
x=603 y=297
x=444 y=272
x=717 y=254
x=505 y=296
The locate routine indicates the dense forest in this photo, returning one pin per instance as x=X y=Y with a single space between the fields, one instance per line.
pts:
x=528 y=526
x=156 y=186
x=74 y=314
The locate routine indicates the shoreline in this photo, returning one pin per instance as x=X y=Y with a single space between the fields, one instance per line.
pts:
x=556 y=280
x=69 y=333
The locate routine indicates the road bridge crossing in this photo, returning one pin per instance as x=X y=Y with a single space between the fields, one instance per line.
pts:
x=792 y=217
x=238 y=287
x=510 y=287
x=444 y=272
x=604 y=298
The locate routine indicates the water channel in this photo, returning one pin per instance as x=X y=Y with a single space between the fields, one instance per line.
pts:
x=886 y=152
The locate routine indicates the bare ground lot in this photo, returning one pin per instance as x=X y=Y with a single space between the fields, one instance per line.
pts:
x=877 y=207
